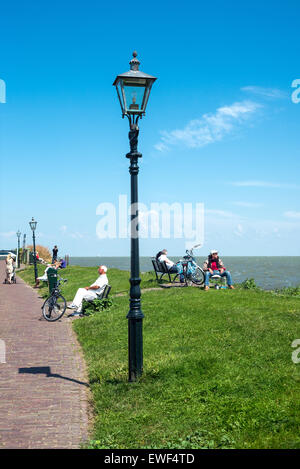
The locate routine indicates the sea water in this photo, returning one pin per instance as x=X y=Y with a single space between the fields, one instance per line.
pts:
x=268 y=272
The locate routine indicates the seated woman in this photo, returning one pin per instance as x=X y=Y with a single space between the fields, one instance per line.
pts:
x=161 y=256
x=44 y=277
x=10 y=264
x=214 y=266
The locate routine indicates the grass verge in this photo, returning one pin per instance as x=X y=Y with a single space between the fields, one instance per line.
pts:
x=218 y=369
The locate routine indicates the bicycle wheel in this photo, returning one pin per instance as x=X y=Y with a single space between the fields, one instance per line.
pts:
x=54 y=308
x=197 y=277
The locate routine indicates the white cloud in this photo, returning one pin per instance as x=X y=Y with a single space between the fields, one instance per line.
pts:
x=292 y=214
x=265 y=92
x=209 y=128
x=8 y=234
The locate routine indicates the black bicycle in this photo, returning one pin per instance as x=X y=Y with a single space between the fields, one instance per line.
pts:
x=55 y=305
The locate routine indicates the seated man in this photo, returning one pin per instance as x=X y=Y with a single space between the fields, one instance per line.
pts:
x=44 y=277
x=63 y=264
x=172 y=268
x=214 y=266
x=91 y=292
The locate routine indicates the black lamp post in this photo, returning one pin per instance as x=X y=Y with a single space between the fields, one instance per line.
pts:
x=133 y=88
x=18 y=235
x=33 y=224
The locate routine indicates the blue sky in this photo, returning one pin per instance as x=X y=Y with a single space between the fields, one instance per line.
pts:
x=221 y=128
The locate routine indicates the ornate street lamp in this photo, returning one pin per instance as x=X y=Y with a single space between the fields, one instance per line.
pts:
x=18 y=235
x=133 y=88
x=33 y=224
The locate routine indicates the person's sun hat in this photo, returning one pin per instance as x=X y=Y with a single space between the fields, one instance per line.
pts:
x=214 y=251
x=103 y=267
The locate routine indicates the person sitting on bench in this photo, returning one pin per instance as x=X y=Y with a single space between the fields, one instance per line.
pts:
x=44 y=277
x=90 y=293
x=214 y=266
x=161 y=256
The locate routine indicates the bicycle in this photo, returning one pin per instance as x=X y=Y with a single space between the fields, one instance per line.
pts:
x=190 y=269
x=55 y=305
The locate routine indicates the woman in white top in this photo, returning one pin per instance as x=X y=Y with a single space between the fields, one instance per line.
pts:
x=9 y=267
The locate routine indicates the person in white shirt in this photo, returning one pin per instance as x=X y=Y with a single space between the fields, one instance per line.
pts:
x=91 y=292
x=172 y=268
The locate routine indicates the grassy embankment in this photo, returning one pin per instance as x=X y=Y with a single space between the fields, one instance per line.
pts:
x=218 y=368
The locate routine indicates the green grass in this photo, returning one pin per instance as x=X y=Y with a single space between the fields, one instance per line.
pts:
x=218 y=371
x=84 y=276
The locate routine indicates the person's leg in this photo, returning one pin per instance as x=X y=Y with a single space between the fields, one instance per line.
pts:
x=79 y=296
x=227 y=274
x=89 y=296
x=207 y=277
x=174 y=270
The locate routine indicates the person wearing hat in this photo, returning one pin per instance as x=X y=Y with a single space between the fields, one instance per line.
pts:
x=91 y=292
x=214 y=266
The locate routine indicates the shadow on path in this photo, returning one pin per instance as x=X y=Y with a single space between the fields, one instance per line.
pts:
x=35 y=370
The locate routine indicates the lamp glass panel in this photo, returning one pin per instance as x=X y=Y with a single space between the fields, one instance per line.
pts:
x=33 y=225
x=120 y=96
x=134 y=94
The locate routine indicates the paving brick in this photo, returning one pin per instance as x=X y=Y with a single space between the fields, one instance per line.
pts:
x=44 y=391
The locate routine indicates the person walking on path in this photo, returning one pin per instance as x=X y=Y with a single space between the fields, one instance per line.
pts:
x=91 y=292
x=9 y=267
x=54 y=254
x=214 y=266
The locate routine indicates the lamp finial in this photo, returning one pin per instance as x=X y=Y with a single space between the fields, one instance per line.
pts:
x=134 y=63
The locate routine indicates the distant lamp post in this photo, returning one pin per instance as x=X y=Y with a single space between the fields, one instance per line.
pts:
x=133 y=89
x=33 y=224
x=18 y=235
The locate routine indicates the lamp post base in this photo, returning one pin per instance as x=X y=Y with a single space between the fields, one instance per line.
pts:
x=135 y=347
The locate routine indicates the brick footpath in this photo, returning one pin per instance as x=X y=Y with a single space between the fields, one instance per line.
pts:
x=43 y=385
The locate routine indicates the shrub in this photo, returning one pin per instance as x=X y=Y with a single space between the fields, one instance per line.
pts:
x=96 y=306
x=44 y=252
x=249 y=284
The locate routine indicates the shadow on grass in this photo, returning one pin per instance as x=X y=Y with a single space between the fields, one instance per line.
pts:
x=35 y=370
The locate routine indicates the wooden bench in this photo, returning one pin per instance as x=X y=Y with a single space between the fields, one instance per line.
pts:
x=104 y=294
x=161 y=268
